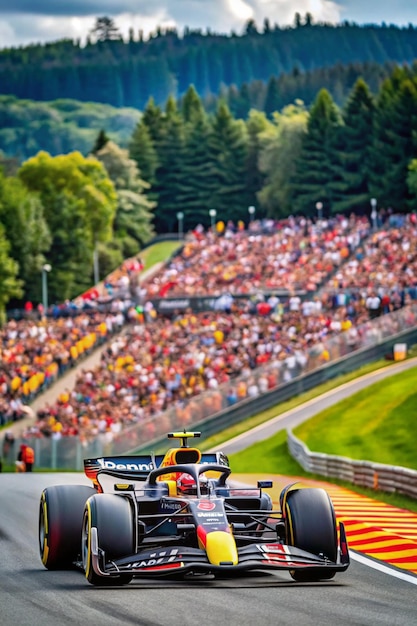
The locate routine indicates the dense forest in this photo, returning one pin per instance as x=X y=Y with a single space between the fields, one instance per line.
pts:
x=127 y=73
x=64 y=125
x=340 y=157
x=130 y=174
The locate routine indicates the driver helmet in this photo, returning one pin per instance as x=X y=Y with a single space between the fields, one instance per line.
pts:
x=186 y=485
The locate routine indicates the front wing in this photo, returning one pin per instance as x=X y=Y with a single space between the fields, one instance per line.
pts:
x=180 y=560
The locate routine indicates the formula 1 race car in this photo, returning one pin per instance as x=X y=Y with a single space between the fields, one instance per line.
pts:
x=180 y=515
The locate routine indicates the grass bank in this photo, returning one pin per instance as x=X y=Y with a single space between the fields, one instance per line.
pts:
x=374 y=424
x=159 y=253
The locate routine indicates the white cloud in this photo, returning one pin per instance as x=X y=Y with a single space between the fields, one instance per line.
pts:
x=30 y=21
x=240 y=9
x=282 y=11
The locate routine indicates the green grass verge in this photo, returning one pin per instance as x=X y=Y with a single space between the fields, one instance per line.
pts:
x=159 y=252
x=377 y=424
x=263 y=417
x=271 y=456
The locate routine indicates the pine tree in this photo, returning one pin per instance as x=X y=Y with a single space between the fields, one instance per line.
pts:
x=352 y=160
x=153 y=118
x=228 y=146
x=394 y=143
x=169 y=174
x=102 y=139
x=191 y=106
x=314 y=173
x=142 y=150
x=105 y=29
x=273 y=97
x=194 y=193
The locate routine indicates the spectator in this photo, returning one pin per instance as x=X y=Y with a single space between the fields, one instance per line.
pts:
x=163 y=362
x=28 y=457
x=373 y=305
x=20 y=464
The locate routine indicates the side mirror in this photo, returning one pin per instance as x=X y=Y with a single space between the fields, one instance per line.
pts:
x=265 y=484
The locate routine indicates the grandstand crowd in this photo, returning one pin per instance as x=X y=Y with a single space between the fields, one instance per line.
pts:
x=283 y=290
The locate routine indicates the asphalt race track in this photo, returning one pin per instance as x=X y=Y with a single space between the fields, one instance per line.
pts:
x=33 y=596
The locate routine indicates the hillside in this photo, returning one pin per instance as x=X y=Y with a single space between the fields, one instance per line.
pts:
x=127 y=73
x=65 y=125
x=61 y=126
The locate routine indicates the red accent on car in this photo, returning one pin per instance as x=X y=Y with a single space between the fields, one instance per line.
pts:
x=206 y=505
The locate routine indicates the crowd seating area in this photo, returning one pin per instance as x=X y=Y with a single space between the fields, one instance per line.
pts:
x=161 y=362
x=384 y=266
x=35 y=352
x=296 y=254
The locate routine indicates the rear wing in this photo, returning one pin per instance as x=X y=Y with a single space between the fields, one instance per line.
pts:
x=140 y=465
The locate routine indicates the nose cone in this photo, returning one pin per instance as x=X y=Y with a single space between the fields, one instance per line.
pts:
x=221 y=548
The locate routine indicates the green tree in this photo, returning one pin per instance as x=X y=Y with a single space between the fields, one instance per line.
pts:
x=228 y=149
x=170 y=172
x=281 y=144
x=105 y=29
x=314 y=173
x=273 y=97
x=351 y=164
x=191 y=106
x=142 y=150
x=412 y=184
x=21 y=214
x=9 y=165
x=250 y=27
x=102 y=139
x=394 y=143
x=10 y=286
x=79 y=202
x=256 y=125
x=154 y=120
x=194 y=190
x=133 y=220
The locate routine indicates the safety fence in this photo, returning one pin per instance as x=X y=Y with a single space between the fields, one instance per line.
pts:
x=387 y=478
x=260 y=389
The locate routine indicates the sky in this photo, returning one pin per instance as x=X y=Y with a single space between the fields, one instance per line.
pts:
x=38 y=21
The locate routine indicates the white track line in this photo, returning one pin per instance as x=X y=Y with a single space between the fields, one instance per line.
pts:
x=382 y=568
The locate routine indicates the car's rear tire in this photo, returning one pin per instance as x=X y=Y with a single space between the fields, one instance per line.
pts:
x=60 y=523
x=310 y=524
x=112 y=516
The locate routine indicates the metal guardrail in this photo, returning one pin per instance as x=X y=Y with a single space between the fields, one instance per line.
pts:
x=388 y=478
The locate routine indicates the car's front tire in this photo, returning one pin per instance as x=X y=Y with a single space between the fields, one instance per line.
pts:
x=112 y=516
x=310 y=525
x=60 y=523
